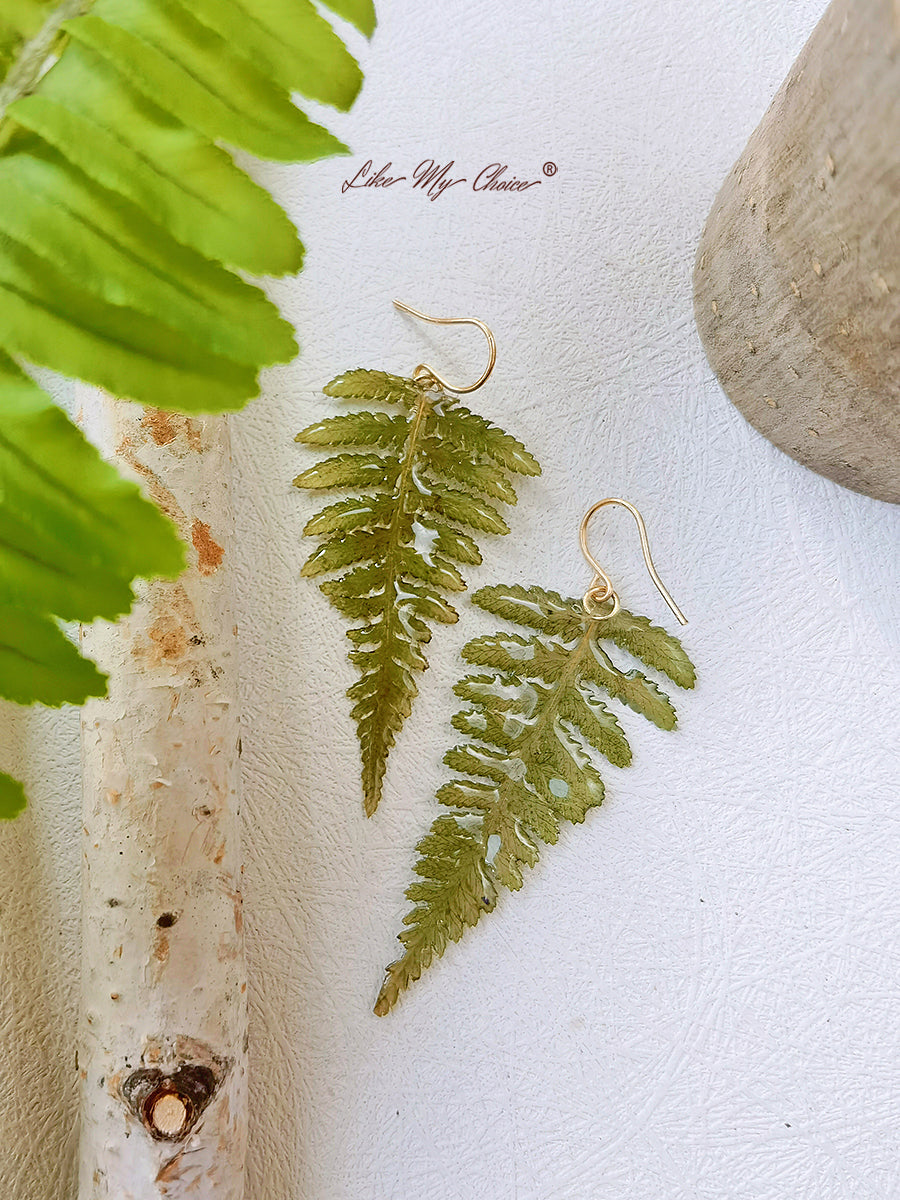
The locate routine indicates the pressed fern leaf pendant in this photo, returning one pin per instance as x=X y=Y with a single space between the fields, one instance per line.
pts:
x=535 y=722
x=424 y=474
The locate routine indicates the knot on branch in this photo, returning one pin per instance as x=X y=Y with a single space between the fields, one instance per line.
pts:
x=169 y=1101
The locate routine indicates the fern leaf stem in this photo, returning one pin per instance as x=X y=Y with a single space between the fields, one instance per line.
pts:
x=375 y=759
x=37 y=56
x=404 y=480
x=500 y=819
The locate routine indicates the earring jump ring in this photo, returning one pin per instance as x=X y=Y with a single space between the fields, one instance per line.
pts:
x=594 y=595
x=592 y=601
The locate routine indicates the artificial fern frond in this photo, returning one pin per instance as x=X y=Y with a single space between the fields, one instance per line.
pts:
x=126 y=228
x=123 y=219
x=425 y=485
x=535 y=724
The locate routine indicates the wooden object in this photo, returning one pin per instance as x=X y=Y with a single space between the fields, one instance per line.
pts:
x=797 y=279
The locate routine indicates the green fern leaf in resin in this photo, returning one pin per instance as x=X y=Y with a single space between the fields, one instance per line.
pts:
x=535 y=724
x=425 y=477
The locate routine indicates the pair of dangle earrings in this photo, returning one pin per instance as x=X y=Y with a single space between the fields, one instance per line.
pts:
x=419 y=477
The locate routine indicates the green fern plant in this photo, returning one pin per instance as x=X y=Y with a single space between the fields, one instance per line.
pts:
x=430 y=471
x=535 y=723
x=126 y=230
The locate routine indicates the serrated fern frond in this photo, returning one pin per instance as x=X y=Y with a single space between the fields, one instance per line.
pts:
x=428 y=486
x=535 y=722
x=124 y=220
x=127 y=231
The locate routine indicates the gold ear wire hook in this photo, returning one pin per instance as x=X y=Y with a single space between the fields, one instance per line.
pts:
x=596 y=596
x=423 y=371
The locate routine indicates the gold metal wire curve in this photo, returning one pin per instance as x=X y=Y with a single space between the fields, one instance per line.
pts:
x=596 y=595
x=423 y=371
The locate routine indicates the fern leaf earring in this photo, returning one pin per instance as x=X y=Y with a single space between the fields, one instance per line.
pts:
x=535 y=723
x=430 y=473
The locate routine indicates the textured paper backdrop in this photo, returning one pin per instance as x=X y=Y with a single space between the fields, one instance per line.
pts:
x=695 y=995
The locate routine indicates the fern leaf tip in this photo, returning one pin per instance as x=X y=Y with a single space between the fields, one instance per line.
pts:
x=373 y=784
x=389 y=994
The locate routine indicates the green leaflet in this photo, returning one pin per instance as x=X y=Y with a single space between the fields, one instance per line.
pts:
x=125 y=230
x=424 y=492
x=39 y=663
x=12 y=797
x=535 y=722
x=123 y=220
x=358 y=12
x=73 y=532
x=273 y=128
x=73 y=536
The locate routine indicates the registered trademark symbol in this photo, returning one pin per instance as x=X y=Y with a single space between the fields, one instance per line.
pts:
x=550 y=168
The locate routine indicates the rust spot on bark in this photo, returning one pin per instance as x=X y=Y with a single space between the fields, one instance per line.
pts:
x=170 y=1171
x=113 y=797
x=164 y=427
x=209 y=552
x=161 y=948
x=160 y=426
x=170 y=634
x=228 y=950
x=158 y=492
x=169 y=639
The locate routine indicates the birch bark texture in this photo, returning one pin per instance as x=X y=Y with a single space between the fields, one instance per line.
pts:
x=163 y=1043
x=797 y=277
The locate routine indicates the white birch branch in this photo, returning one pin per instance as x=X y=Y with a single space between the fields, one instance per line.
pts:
x=162 y=1050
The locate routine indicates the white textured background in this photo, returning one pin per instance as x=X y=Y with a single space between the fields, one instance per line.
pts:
x=696 y=995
